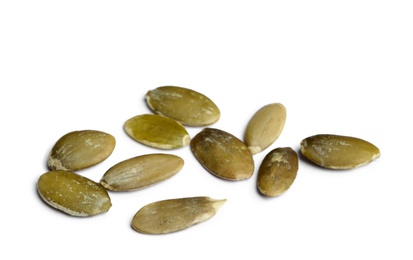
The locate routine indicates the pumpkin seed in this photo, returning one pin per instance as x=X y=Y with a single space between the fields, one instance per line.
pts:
x=223 y=154
x=157 y=131
x=80 y=149
x=277 y=171
x=183 y=105
x=73 y=194
x=141 y=171
x=167 y=216
x=338 y=152
x=265 y=127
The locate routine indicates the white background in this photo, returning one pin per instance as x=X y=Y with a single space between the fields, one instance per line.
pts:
x=339 y=67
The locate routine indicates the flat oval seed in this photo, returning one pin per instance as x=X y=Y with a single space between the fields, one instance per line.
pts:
x=80 y=149
x=265 y=127
x=183 y=105
x=277 y=171
x=173 y=215
x=73 y=194
x=157 y=131
x=223 y=154
x=338 y=152
x=141 y=171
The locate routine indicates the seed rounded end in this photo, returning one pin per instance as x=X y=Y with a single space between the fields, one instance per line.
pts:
x=56 y=164
x=186 y=140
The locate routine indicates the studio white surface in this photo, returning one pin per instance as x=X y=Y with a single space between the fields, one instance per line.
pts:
x=339 y=67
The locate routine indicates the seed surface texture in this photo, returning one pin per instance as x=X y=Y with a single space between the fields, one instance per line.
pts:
x=173 y=215
x=141 y=171
x=73 y=194
x=338 y=152
x=265 y=127
x=223 y=154
x=157 y=131
x=277 y=171
x=183 y=105
x=78 y=150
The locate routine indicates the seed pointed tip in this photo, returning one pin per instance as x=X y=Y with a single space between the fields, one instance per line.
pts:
x=254 y=149
x=217 y=203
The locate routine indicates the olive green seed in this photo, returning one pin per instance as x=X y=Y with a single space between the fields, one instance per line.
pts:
x=141 y=171
x=78 y=150
x=277 y=171
x=157 y=131
x=223 y=154
x=172 y=215
x=184 y=105
x=73 y=194
x=338 y=151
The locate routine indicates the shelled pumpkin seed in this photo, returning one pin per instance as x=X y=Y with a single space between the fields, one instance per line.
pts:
x=73 y=194
x=219 y=152
x=265 y=127
x=78 y=150
x=338 y=151
x=172 y=215
x=157 y=131
x=141 y=171
x=277 y=171
x=223 y=154
x=184 y=105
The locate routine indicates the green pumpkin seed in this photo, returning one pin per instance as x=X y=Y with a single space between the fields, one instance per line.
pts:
x=73 y=194
x=157 y=131
x=277 y=171
x=80 y=149
x=173 y=215
x=141 y=171
x=223 y=154
x=183 y=105
x=265 y=127
x=338 y=152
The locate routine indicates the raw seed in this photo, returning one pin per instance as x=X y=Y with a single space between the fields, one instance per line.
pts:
x=277 y=171
x=265 y=127
x=223 y=154
x=173 y=215
x=338 y=152
x=73 y=194
x=183 y=105
x=157 y=131
x=141 y=171
x=80 y=149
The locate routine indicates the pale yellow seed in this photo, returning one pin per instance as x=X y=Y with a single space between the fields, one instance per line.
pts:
x=265 y=127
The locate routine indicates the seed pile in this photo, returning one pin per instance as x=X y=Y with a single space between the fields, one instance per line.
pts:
x=219 y=152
